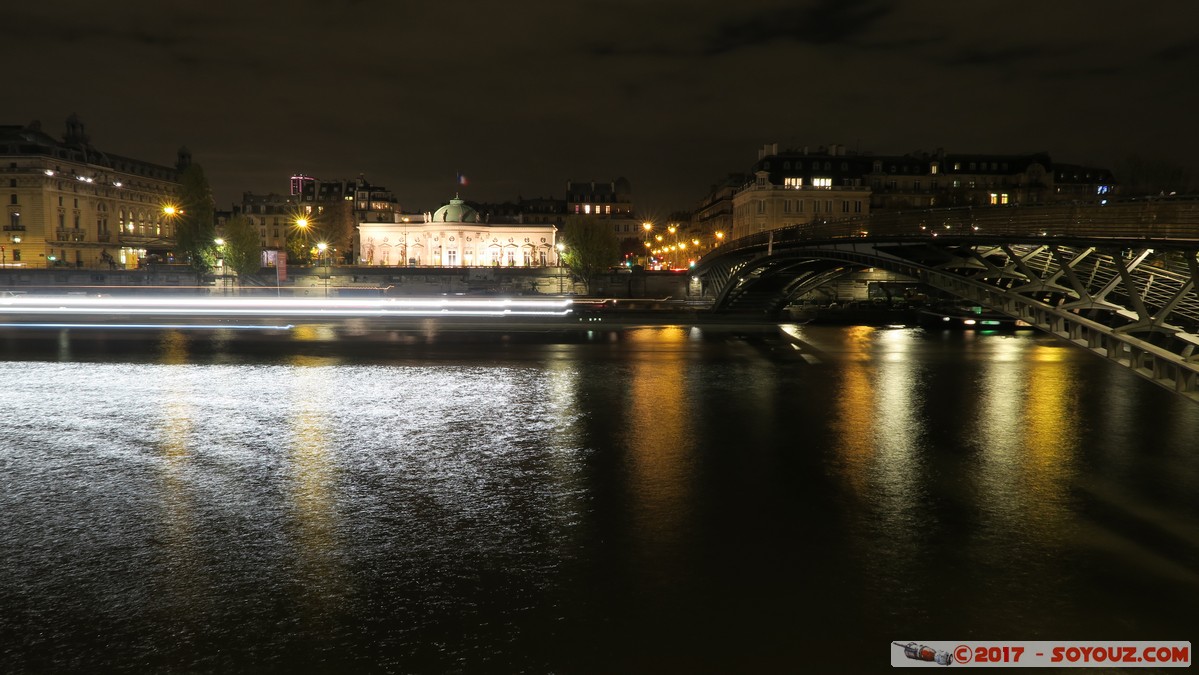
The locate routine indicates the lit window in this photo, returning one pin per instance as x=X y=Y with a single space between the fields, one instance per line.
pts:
x=933 y=168
x=1003 y=198
x=822 y=182
x=793 y=183
x=994 y=199
x=586 y=208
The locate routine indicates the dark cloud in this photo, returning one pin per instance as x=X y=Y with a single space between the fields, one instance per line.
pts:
x=673 y=94
x=1007 y=56
x=823 y=23
x=1179 y=52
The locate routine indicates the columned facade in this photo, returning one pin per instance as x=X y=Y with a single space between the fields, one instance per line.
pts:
x=455 y=236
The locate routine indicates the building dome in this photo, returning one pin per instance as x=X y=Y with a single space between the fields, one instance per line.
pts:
x=456 y=212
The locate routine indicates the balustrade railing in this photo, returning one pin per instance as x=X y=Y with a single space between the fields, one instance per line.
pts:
x=1166 y=220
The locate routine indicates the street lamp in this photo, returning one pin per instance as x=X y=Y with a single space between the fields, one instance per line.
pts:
x=647 y=226
x=320 y=248
x=16 y=251
x=220 y=262
x=302 y=226
x=561 y=247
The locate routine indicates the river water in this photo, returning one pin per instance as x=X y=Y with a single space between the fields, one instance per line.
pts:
x=665 y=499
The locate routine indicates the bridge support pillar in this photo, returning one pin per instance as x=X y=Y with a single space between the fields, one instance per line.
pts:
x=1116 y=350
x=1184 y=380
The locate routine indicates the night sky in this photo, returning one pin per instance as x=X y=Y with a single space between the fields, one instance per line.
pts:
x=672 y=94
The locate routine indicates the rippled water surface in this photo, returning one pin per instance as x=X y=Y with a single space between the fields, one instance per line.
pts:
x=653 y=500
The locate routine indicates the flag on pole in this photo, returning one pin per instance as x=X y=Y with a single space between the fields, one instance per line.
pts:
x=461 y=179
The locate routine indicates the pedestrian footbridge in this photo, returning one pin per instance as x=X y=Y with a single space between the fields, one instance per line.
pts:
x=1118 y=278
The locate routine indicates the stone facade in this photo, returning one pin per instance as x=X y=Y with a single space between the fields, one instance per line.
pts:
x=456 y=236
x=70 y=204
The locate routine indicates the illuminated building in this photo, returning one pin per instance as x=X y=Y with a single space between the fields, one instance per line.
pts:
x=299 y=183
x=455 y=235
x=334 y=207
x=69 y=203
x=611 y=202
x=785 y=192
x=792 y=188
x=273 y=214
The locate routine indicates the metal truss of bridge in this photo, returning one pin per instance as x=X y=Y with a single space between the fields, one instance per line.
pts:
x=1118 y=279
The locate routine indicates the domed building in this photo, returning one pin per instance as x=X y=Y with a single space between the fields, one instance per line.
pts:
x=456 y=235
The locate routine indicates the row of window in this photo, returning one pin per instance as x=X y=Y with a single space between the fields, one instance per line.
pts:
x=157 y=229
x=450 y=259
x=815 y=166
x=815 y=206
x=595 y=209
x=933 y=167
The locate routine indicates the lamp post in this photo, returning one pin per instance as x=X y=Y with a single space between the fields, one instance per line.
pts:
x=673 y=229
x=171 y=212
x=220 y=262
x=647 y=226
x=302 y=227
x=16 y=240
x=321 y=247
x=561 y=282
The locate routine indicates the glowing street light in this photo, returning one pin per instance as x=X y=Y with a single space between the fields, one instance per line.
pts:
x=224 y=277
x=321 y=247
x=647 y=226
x=561 y=273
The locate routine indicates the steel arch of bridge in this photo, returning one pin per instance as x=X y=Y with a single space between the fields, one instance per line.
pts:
x=1120 y=280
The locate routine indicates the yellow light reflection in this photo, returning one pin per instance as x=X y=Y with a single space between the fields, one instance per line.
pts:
x=313 y=472
x=661 y=440
x=172 y=349
x=186 y=579
x=878 y=420
x=1027 y=428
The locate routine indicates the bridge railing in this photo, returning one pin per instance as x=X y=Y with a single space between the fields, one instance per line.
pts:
x=1166 y=220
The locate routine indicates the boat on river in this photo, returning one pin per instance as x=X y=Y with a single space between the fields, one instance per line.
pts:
x=965 y=316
